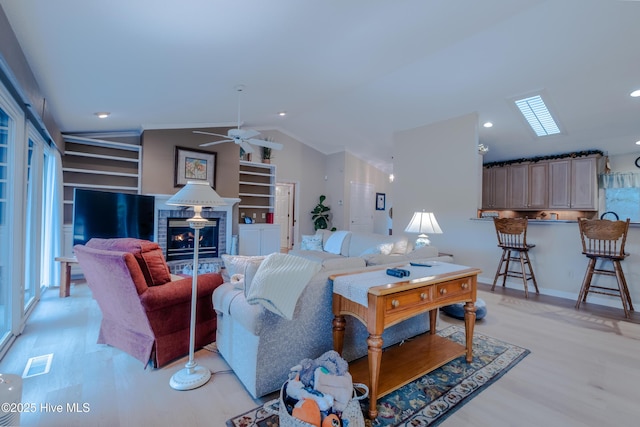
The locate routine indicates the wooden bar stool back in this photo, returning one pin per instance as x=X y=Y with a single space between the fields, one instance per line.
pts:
x=512 y=238
x=604 y=240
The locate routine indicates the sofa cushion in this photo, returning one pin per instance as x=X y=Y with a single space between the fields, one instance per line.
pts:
x=338 y=243
x=311 y=243
x=148 y=254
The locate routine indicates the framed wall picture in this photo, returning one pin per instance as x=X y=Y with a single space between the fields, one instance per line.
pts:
x=380 y=201
x=194 y=165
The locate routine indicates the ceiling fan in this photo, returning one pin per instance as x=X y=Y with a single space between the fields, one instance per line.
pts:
x=242 y=137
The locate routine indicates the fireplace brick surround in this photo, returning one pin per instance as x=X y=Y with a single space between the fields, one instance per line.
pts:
x=223 y=214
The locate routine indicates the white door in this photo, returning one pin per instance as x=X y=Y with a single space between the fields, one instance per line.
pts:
x=361 y=207
x=284 y=213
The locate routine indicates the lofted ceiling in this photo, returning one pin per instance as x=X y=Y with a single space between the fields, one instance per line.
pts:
x=349 y=74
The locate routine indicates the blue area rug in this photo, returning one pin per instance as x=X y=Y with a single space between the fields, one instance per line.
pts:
x=429 y=400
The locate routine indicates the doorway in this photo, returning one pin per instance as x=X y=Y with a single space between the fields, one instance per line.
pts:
x=285 y=214
x=361 y=207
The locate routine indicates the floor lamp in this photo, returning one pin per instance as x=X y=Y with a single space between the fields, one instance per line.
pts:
x=196 y=194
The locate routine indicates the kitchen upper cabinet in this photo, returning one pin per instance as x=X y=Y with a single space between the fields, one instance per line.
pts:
x=518 y=188
x=527 y=186
x=584 y=183
x=568 y=183
x=538 y=185
x=559 y=182
x=573 y=184
x=494 y=188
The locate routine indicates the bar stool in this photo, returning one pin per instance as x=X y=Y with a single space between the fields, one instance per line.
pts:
x=604 y=240
x=512 y=238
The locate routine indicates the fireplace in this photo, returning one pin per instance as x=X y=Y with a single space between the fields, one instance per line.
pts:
x=180 y=240
x=221 y=216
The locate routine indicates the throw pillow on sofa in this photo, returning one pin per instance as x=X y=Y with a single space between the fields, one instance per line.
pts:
x=311 y=243
x=338 y=241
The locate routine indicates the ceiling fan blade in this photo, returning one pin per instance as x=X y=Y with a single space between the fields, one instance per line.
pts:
x=209 y=133
x=206 y=144
x=246 y=146
x=263 y=143
x=248 y=133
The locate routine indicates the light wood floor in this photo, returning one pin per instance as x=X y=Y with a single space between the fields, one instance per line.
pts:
x=583 y=370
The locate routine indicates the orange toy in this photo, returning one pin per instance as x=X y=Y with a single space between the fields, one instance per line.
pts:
x=307 y=410
x=331 y=420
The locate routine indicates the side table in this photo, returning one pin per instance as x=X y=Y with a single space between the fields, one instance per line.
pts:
x=65 y=274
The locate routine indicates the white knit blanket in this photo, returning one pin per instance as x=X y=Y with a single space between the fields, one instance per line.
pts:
x=279 y=281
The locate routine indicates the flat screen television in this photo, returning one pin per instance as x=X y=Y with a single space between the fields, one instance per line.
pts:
x=108 y=215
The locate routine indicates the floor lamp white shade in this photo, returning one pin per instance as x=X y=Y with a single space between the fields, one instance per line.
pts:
x=196 y=194
x=423 y=223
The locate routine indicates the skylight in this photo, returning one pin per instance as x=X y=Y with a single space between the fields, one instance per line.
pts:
x=535 y=111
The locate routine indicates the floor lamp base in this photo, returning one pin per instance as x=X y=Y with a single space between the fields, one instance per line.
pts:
x=188 y=379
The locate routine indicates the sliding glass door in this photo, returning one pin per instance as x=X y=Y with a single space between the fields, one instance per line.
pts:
x=33 y=219
x=5 y=259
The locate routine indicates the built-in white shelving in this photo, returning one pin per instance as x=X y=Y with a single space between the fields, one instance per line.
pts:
x=100 y=165
x=257 y=182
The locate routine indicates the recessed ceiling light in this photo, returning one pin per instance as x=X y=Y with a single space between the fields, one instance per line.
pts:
x=103 y=115
x=637 y=142
x=282 y=113
x=536 y=113
x=635 y=93
x=488 y=125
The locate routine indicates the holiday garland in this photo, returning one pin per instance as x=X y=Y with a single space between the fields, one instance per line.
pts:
x=543 y=158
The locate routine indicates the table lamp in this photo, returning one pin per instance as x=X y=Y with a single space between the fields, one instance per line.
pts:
x=195 y=194
x=423 y=223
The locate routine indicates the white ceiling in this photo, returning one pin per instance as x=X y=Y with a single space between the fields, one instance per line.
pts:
x=348 y=73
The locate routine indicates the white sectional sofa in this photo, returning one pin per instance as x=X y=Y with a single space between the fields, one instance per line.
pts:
x=331 y=248
x=261 y=346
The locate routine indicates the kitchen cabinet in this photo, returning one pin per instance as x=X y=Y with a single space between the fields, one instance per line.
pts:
x=258 y=239
x=573 y=184
x=567 y=183
x=494 y=188
x=527 y=186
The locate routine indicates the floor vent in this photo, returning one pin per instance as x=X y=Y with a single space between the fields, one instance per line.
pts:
x=37 y=366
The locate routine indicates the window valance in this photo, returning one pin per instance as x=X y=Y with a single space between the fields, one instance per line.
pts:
x=619 y=180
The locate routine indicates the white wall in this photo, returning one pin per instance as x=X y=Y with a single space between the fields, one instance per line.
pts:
x=304 y=166
x=437 y=169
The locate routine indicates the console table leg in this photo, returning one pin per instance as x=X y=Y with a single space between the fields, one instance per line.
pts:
x=65 y=279
x=339 y=323
x=433 y=318
x=375 y=358
x=469 y=324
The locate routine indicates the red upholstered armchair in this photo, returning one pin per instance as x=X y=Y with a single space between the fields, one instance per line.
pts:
x=144 y=312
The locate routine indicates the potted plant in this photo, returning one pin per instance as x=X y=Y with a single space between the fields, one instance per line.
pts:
x=320 y=215
x=266 y=155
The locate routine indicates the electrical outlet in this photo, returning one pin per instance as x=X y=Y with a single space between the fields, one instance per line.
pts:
x=264 y=215
x=254 y=215
x=241 y=214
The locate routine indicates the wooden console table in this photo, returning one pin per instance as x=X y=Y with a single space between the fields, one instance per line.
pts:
x=392 y=303
x=65 y=274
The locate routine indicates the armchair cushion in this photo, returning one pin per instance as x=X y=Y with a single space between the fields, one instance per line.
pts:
x=148 y=254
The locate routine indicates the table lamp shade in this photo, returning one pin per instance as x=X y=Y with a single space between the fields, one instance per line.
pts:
x=423 y=223
x=196 y=193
